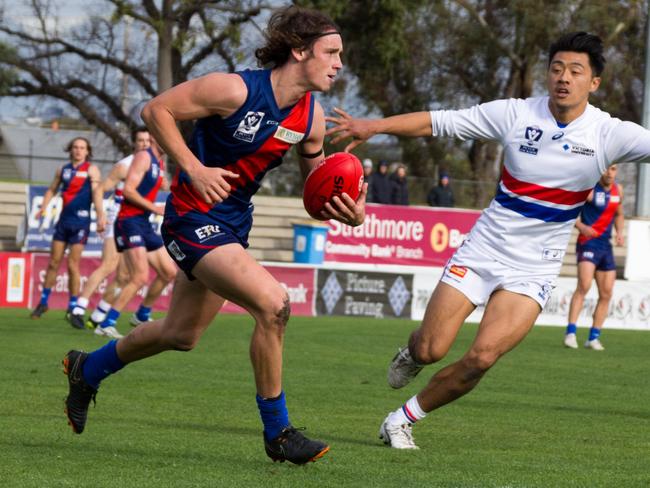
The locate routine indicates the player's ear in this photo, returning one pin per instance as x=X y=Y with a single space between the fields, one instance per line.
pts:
x=595 y=83
x=299 y=54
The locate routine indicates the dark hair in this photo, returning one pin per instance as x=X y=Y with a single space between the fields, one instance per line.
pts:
x=68 y=148
x=291 y=28
x=581 y=42
x=136 y=131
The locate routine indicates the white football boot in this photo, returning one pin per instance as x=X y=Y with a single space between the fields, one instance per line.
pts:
x=397 y=436
x=402 y=369
x=595 y=345
x=571 y=341
x=111 y=332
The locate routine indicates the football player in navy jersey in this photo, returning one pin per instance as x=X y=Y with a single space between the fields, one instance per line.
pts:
x=246 y=121
x=602 y=211
x=79 y=183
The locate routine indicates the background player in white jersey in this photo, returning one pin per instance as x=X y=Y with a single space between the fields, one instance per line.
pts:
x=110 y=257
x=603 y=210
x=556 y=147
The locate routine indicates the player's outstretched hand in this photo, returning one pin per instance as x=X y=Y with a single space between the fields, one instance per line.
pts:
x=347 y=126
x=211 y=183
x=346 y=210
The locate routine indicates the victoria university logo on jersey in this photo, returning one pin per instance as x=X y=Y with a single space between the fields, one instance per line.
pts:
x=249 y=126
x=533 y=134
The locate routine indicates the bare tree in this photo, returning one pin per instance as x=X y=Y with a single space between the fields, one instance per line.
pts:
x=127 y=47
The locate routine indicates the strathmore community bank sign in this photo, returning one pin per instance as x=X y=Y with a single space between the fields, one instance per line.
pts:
x=391 y=234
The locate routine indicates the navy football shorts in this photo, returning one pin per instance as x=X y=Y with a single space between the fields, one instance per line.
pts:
x=191 y=236
x=71 y=232
x=135 y=232
x=602 y=257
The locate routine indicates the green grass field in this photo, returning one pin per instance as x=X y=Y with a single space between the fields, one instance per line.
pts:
x=543 y=417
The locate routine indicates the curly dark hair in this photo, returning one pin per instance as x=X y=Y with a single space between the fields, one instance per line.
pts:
x=581 y=42
x=68 y=148
x=292 y=28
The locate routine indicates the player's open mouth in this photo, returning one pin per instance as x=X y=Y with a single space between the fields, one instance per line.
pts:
x=562 y=92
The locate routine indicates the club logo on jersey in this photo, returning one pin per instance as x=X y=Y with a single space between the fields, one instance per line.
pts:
x=600 y=199
x=249 y=126
x=552 y=254
x=67 y=174
x=557 y=136
x=533 y=134
x=155 y=171
x=175 y=251
x=459 y=271
x=207 y=232
x=582 y=150
x=290 y=136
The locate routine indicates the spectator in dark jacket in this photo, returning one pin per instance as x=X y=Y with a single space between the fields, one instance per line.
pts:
x=441 y=195
x=380 y=185
x=399 y=194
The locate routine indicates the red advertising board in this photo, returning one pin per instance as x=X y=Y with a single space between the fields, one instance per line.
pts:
x=299 y=283
x=15 y=269
x=391 y=234
x=60 y=292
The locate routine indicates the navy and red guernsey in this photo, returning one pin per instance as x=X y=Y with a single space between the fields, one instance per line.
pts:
x=76 y=191
x=249 y=142
x=600 y=214
x=148 y=188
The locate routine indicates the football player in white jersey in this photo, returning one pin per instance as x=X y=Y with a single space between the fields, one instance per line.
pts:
x=556 y=147
x=110 y=257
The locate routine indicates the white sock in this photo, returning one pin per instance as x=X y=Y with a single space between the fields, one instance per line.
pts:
x=80 y=308
x=409 y=413
x=99 y=314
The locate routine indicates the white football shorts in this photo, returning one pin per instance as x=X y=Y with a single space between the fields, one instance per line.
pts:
x=112 y=210
x=477 y=276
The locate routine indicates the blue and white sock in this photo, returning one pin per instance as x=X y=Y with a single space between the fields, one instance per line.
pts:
x=111 y=318
x=45 y=295
x=275 y=416
x=594 y=333
x=409 y=413
x=571 y=328
x=143 y=314
x=101 y=363
x=99 y=314
x=72 y=303
x=80 y=308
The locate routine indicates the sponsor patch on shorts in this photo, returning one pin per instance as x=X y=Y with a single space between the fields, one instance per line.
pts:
x=175 y=251
x=459 y=271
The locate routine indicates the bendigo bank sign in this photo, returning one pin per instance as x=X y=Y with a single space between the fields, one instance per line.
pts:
x=390 y=234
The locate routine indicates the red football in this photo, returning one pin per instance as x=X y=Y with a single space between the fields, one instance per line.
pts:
x=338 y=173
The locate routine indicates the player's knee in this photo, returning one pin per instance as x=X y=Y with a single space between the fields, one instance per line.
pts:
x=477 y=363
x=605 y=295
x=169 y=273
x=182 y=340
x=427 y=352
x=278 y=310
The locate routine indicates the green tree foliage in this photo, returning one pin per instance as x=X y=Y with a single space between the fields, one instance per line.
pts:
x=419 y=55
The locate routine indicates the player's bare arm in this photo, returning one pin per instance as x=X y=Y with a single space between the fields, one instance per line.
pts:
x=97 y=195
x=50 y=192
x=416 y=124
x=217 y=93
x=140 y=165
x=345 y=210
x=117 y=174
x=619 y=220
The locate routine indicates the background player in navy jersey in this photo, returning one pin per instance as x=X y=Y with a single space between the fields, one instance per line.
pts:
x=603 y=210
x=110 y=257
x=556 y=148
x=134 y=236
x=79 y=183
x=246 y=123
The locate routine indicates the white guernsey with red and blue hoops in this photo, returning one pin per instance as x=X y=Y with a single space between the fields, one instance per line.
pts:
x=548 y=172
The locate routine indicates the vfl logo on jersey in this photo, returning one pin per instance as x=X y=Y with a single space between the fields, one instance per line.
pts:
x=249 y=126
x=207 y=232
x=600 y=199
x=175 y=251
x=290 y=136
x=67 y=174
x=557 y=136
x=155 y=171
x=552 y=254
x=533 y=134
x=459 y=271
